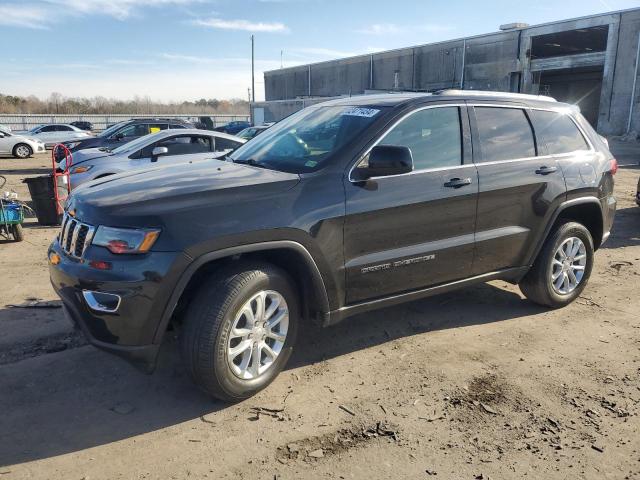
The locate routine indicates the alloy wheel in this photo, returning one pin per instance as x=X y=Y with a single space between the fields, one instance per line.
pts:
x=258 y=334
x=568 y=266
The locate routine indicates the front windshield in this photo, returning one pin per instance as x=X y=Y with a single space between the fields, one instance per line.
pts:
x=304 y=141
x=110 y=130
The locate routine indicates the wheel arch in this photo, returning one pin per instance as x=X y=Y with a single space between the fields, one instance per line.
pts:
x=584 y=210
x=291 y=256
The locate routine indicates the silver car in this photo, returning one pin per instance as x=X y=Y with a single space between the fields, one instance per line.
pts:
x=55 y=133
x=167 y=147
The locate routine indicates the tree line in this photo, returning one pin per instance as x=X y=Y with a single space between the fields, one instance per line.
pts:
x=56 y=103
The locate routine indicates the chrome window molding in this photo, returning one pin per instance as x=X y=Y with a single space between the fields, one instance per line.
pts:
x=390 y=129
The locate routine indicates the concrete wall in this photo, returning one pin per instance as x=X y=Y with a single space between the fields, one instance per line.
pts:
x=498 y=61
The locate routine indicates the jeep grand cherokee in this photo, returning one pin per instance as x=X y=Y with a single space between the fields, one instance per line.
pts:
x=344 y=207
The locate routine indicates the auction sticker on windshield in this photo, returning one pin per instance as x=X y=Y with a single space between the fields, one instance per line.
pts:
x=360 y=112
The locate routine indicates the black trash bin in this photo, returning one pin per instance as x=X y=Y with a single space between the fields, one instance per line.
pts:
x=42 y=193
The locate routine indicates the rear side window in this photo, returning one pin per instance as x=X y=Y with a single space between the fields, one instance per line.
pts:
x=433 y=135
x=558 y=131
x=505 y=134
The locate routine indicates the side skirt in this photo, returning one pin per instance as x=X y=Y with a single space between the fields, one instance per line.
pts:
x=336 y=316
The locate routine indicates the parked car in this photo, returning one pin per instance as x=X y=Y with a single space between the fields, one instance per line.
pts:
x=55 y=133
x=83 y=125
x=413 y=195
x=249 y=133
x=167 y=147
x=19 y=146
x=124 y=132
x=233 y=127
x=5 y=128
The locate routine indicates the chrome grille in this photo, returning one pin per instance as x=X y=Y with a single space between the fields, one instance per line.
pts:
x=75 y=236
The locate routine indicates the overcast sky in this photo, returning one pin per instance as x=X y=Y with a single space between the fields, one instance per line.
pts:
x=190 y=49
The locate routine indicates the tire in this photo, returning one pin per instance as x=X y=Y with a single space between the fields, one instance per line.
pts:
x=17 y=232
x=539 y=285
x=22 y=150
x=208 y=335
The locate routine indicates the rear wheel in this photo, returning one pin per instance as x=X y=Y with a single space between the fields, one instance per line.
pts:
x=562 y=269
x=22 y=150
x=240 y=330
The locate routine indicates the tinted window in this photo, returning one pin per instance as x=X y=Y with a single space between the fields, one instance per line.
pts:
x=505 y=134
x=223 y=144
x=48 y=128
x=137 y=130
x=175 y=125
x=433 y=135
x=182 y=145
x=558 y=132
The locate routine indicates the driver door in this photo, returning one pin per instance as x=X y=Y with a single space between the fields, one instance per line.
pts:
x=415 y=230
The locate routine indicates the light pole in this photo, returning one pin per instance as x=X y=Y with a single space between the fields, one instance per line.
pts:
x=253 y=80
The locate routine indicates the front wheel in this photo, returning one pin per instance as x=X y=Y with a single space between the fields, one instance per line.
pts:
x=17 y=232
x=22 y=150
x=562 y=269
x=240 y=330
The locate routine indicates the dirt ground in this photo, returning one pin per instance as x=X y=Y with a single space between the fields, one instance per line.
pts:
x=472 y=385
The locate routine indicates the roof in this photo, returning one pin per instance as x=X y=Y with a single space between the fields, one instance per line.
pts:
x=192 y=131
x=393 y=99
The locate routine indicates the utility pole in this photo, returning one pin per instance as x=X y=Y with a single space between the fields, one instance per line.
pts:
x=249 y=94
x=253 y=79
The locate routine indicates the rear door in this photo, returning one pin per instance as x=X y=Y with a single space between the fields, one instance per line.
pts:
x=411 y=231
x=520 y=186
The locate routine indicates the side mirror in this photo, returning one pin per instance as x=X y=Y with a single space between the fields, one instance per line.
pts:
x=157 y=152
x=119 y=136
x=386 y=160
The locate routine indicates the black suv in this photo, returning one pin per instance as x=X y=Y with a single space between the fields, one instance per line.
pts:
x=404 y=196
x=124 y=132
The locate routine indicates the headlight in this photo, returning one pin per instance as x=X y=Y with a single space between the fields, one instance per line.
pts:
x=125 y=240
x=80 y=169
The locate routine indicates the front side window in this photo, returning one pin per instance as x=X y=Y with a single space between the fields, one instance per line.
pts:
x=181 y=145
x=558 y=131
x=137 y=130
x=304 y=141
x=505 y=134
x=224 y=144
x=64 y=128
x=433 y=135
x=48 y=128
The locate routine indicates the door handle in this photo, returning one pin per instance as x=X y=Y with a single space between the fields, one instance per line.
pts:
x=457 y=182
x=546 y=170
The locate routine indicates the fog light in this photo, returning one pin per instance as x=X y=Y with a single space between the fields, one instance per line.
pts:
x=100 y=265
x=54 y=258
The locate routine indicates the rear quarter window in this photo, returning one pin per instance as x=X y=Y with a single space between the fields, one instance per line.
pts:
x=558 y=131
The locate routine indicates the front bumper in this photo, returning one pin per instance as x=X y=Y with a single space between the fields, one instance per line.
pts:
x=143 y=283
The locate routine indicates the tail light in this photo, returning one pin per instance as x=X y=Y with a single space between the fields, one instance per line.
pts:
x=613 y=166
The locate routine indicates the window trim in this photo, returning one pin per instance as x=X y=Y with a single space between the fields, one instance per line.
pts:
x=591 y=148
x=459 y=106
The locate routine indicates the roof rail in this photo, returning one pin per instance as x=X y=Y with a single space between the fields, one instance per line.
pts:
x=483 y=93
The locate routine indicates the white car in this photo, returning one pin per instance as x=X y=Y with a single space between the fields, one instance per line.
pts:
x=53 y=134
x=167 y=147
x=19 y=146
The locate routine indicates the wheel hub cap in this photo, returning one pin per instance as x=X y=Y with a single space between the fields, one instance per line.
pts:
x=568 y=266
x=258 y=334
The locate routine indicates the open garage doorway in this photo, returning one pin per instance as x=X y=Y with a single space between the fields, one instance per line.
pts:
x=578 y=86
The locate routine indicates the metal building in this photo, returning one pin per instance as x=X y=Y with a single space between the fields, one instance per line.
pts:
x=590 y=61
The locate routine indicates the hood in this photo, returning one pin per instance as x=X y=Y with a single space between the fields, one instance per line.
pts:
x=84 y=155
x=145 y=197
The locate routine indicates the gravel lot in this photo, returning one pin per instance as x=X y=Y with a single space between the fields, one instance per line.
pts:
x=475 y=384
